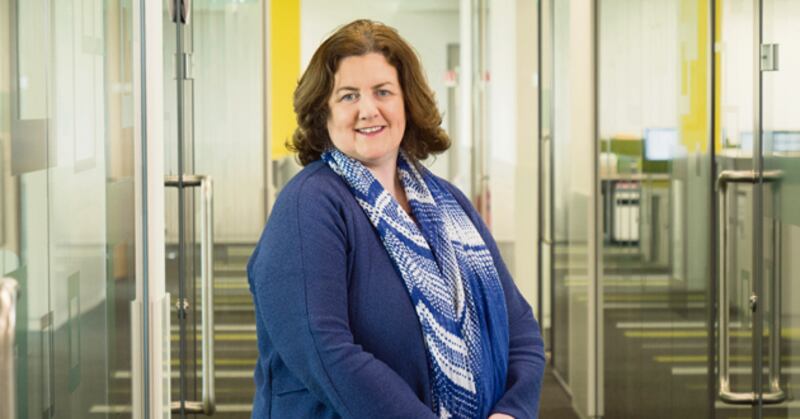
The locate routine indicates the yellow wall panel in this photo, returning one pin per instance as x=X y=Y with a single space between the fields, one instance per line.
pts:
x=718 y=78
x=693 y=108
x=284 y=71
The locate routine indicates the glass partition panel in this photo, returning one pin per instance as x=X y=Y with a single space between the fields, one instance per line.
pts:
x=214 y=130
x=546 y=189
x=561 y=249
x=511 y=112
x=781 y=216
x=229 y=146
x=31 y=67
x=735 y=148
x=575 y=318
x=655 y=175
x=68 y=225
x=25 y=218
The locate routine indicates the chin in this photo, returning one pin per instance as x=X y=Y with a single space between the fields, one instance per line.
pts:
x=375 y=155
x=372 y=160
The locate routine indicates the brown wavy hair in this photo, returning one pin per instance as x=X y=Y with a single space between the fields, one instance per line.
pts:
x=423 y=134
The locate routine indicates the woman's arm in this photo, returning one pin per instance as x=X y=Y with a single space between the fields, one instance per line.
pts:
x=300 y=281
x=526 y=360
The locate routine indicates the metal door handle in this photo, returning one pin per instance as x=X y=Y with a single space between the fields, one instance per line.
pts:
x=206 y=406
x=180 y=8
x=776 y=394
x=8 y=324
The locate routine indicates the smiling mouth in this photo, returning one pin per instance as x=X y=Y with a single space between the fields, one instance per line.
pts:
x=369 y=131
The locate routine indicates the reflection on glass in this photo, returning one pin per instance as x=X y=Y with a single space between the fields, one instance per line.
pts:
x=546 y=171
x=568 y=259
x=31 y=63
x=735 y=113
x=654 y=175
x=781 y=120
x=575 y=321
x=221 y=115
x=69 y=234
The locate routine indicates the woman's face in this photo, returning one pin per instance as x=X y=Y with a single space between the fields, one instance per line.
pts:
x=367 y=113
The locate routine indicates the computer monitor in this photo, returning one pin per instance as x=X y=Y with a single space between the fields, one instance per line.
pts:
x=786 y=141
x=660 y=144
x=772 y=141
x=746 y=141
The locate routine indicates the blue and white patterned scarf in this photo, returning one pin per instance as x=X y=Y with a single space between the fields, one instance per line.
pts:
x=451 y=278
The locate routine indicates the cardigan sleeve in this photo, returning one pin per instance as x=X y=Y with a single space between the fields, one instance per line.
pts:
x=526 y=361
x=300 y=286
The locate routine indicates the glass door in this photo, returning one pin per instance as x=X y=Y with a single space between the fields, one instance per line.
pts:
x=655 y=175
x=570 y=144
x=780 y=214
x=699 y=200
x=736 y=148
x=189 y=226
x=67 y=209
x=216 y=198
x=759 y=145
x=229 y=146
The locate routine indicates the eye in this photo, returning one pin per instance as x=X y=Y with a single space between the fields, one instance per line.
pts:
x=383 y=92
x=349 y=97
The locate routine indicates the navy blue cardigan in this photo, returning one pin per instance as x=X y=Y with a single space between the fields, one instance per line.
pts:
x=338 y=336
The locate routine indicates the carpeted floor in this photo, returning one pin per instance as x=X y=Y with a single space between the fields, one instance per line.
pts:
x=555 y=403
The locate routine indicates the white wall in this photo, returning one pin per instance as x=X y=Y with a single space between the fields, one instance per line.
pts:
x=502 y=117
x=780 y=88
x=561 y=125
x=639 y=66
x=512 y=116
x=228 y=108
x=737 y=74
x=526 y=177
x=575 y=142
x=225 y=101
x=9 y=253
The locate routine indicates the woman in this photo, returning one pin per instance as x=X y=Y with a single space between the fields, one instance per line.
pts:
x=379 y=292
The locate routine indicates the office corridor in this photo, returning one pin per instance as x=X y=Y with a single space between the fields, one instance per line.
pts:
x=637 y=163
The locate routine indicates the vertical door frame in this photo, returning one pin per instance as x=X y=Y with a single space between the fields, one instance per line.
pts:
x=583 y=32
x=150 y=311
x=757 y=257
x=595 y=267
x=712 y=297
x=546 y=17
x=758 y=209
x=269 y=187
x=465 y=84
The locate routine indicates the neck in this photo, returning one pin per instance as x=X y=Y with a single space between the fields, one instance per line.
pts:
x=387 y=176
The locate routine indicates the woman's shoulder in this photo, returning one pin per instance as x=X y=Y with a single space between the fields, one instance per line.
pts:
x=315 y=182
x=315 y=194
x=311 y=200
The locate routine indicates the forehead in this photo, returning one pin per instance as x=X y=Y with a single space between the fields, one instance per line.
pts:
x=368 y=69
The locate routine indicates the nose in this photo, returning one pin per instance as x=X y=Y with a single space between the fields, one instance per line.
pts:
x=367 y=109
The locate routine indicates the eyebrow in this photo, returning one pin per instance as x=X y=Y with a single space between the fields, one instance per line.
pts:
x=353 y=89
